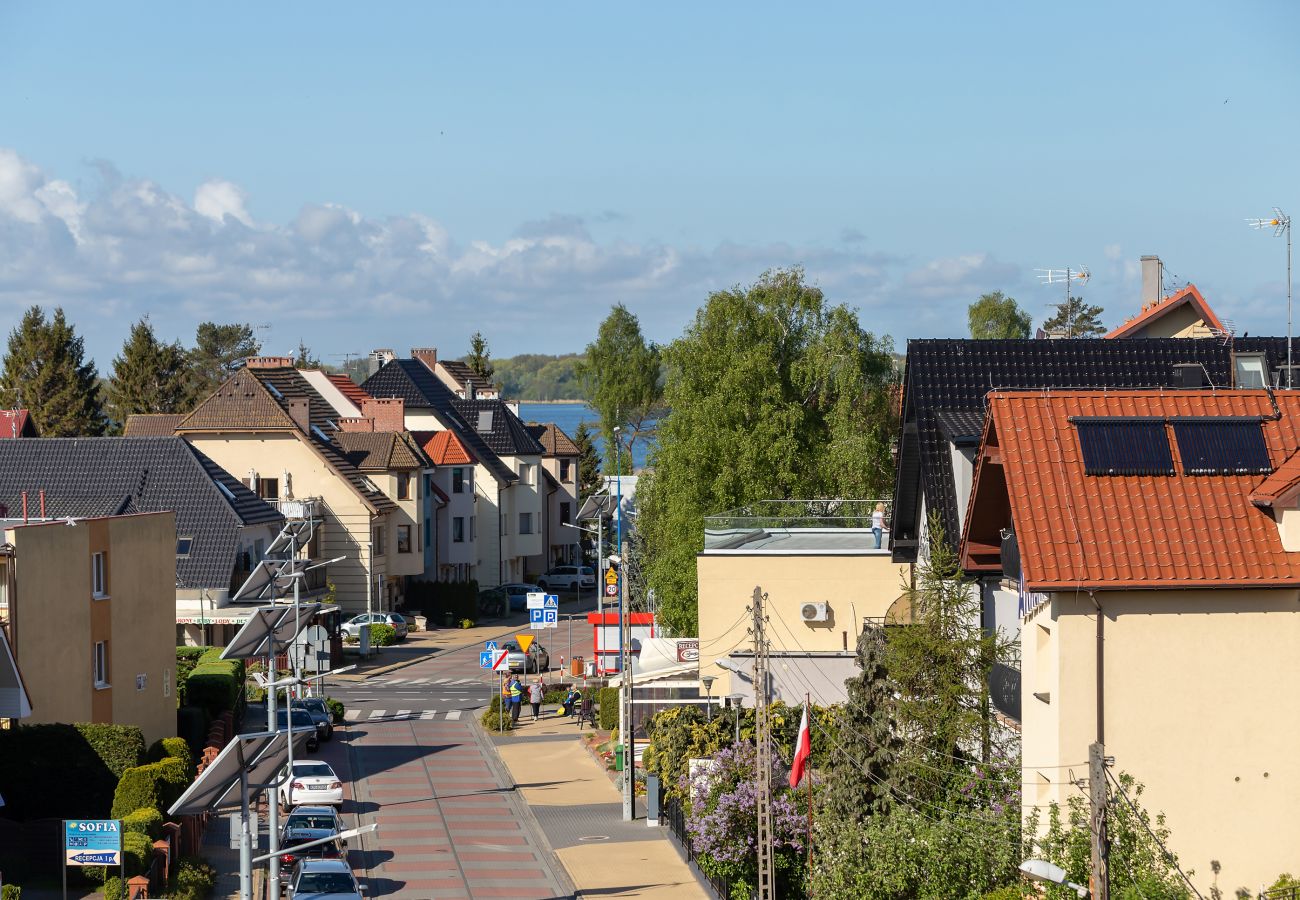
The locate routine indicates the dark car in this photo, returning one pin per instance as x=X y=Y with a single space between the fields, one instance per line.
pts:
x=255 y=721
x=320 y=714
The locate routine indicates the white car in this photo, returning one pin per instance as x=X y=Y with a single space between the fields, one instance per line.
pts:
x=354 y=625
x=311 y=782
x=568 y=578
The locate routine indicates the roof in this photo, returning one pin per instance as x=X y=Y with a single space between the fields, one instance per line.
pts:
x=1093 y=532
x=955 y=375
x=152 y=424
x=443 y=448
x=349 y=388
x=1187 y=296
x=464 y=375
x=258 y=400
x=380 y=450
x=1279 y=486
x=553 y=439
x=15 y=423
x=962 y=427
x=85 y=477
x=411 y=380
x=502 y=430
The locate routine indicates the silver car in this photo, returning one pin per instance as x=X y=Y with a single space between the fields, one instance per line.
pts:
x=354 y=625
x=324 y=879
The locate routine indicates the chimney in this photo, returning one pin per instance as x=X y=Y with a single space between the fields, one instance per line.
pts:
x=389 y=413
x=356 y=423
x=1151 y=292
x=269 y=362
x=300 y=412
x=426 y=355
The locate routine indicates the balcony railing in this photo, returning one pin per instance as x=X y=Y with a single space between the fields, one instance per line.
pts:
x=790 y=515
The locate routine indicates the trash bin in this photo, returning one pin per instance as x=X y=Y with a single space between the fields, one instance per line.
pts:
x=618 y=757
x=447 y=618
x=576 y=666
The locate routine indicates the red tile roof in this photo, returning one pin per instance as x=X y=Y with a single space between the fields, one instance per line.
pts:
x=1188 y=295
x=444 y=448
x=16 y=423
x=349 y=388
x=1078 y=531
x=1279 y=486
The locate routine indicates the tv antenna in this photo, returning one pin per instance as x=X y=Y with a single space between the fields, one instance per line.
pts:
x=1280 y=222
x=1066 y=276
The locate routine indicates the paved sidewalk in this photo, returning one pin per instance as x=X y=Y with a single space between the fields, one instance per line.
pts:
x=581 y=813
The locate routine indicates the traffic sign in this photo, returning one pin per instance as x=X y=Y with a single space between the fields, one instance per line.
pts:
x=92 y=842
x=611 y=576
x=536 y=618
x=611 y=590
x=490 y=646
x=535 y=599
x=525 y=641
x=499 y=662
x=485 y=659
x=552 y=601
x=551 y=618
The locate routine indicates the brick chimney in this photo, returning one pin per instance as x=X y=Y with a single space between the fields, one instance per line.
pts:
x=300 y=412
x=389 y=413
x=269 y=362
x=426 y=355
x=356 y=423
x=1151 y=292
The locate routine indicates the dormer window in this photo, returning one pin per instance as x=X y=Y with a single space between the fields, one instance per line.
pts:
x=1249 y=371
x=485 y=421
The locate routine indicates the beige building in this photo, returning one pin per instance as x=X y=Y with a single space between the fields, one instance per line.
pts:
x=1147 y=534
x=560 y=490
x=825 y=581
x=90 y=607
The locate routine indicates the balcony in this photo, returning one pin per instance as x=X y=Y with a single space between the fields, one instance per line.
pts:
x=796 y=525
x=301 y=508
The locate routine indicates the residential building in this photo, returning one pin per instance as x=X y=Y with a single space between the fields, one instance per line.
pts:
x=151 y=424
x=451 y=542
x=1151 y=538
x=824 y=580
x=507 y=462
x=457 y=376
x=222 y=527
x=90 y=607
x=560 y=489
x=1182 y=314
x=16 y=423
x=270 y=425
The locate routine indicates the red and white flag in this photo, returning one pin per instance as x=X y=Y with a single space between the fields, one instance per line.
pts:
x=802 y=750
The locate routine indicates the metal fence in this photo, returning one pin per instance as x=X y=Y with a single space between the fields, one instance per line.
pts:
x=673 y=814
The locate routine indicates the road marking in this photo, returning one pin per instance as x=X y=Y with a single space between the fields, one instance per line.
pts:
x=428 y=714
x=402 y=714
x=351 y=715
x=441 y=680
x=420 y=681
x=377 y=713
x=453 y=715
x=392 y=681
x=466 y=681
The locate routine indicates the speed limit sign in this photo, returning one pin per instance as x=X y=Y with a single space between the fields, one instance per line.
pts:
x=611 y=590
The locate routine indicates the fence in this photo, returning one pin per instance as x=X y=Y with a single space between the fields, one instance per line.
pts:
x=672 y=813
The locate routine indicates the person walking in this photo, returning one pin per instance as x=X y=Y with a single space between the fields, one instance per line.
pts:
x=536 y=691
x=516 y=700
x=878 y=524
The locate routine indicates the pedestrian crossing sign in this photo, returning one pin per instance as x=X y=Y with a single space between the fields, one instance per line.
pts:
x=490 y=646
x=552 y=601
x=485 y=659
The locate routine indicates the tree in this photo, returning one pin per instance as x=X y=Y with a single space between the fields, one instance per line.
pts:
x=479 y=359
x=995 y=316
x=589 y=480
x=620 y=376
x=773 y=394
x=864 y=733
x=218 y=352
x=1074 y=318
x=149 y=377
x=304 y=359
x=45 y=372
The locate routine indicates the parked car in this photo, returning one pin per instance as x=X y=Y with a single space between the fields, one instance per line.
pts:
x=324 y=818
x=518 y=592
x=493 y=602
x=255 y=722
x=324 y=879
x=568 y=578
x=311 y=781
x=354 y=625
x=332 y=849
x=535 y=660
x=320 y=714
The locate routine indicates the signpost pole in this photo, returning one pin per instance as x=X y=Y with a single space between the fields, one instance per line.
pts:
x=245 y=844
x=64 y=837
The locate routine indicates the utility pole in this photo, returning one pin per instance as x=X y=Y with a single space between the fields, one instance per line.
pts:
x=1097 y=823
x=627 y=725
x=763 y=750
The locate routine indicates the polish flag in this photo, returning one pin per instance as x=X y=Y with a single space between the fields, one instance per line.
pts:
x=802 y=750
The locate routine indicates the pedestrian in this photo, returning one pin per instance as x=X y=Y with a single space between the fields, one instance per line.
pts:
x=516 y=700
x=878 y=524
x=536 y=691
x=571 y=699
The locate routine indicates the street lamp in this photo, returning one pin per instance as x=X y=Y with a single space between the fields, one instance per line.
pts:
x=737 y=702
x=1042 y=870
x=708 y=692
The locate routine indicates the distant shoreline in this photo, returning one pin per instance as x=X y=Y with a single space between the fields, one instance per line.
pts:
x=554 y=402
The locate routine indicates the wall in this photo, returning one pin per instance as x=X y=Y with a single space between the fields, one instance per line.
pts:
x=1183 y=322
x=1197 y=707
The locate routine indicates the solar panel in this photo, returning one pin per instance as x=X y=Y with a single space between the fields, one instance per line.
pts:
x=1124 y=445
x=1221 y=445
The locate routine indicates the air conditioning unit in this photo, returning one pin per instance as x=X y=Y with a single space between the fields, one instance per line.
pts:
x=815 y=612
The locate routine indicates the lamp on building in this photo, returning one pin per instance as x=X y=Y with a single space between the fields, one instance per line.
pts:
x=1042 y=870
x=708 y=693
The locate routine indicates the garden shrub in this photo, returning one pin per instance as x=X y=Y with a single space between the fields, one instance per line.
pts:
x=51 y=771
x=383 y=635
x=607 y=699
x=11 y=892
x=119 y=746
x=137 y=853
x=493 y=718
x=336 y=708
x=147 y=821
x=194 y=879
x=115 y=889
x=174 y=747
x=215 y=684
x=154 y=786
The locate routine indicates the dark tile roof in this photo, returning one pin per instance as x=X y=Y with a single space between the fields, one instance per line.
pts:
x=106 y=476
x=956 y=375
x=380 y=450
x=553 y=439
x=464 y=375
x=503 y=431
x=152 y=424
x=411 y=380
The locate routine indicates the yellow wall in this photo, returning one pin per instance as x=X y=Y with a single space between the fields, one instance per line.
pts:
x=1183 y=322
x=855 y=586
x=1198 y=707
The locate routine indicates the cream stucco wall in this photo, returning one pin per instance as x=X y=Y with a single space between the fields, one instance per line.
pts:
x=854 y=585
x=1198 y=705
x=1183 y=322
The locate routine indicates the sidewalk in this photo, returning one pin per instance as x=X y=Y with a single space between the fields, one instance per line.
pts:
x=581 y=813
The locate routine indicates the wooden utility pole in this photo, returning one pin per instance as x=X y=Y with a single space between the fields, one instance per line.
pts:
x=1097 y=822
x=763 y=751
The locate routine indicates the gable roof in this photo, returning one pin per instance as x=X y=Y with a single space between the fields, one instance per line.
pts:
x=380 y=450
x=1280 y=486
x=955 y=375
x=502 y=430
x=464 y=375
x=553 y=439
x=1188 y=296
x=85 y=477
x=419 y=388
x=16 y=423
x=152 y=424
x=443 y=448
x=1092 y=532
x=349 y=388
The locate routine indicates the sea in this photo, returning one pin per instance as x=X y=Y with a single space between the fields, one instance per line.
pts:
x=568 y=416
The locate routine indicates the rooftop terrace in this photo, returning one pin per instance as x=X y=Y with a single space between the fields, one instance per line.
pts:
x=796 y=526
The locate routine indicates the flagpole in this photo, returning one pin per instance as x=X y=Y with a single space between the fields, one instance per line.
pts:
x=807 y=711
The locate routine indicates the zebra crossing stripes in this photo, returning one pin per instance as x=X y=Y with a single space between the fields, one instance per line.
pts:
x=401 y=715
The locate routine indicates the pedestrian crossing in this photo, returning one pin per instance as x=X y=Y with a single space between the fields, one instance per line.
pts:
x=416 y=682
x=401 y=715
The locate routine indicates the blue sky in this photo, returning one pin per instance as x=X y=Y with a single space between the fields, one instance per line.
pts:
x=404 y=174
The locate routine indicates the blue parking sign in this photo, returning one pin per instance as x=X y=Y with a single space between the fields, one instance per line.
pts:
x=552 y=619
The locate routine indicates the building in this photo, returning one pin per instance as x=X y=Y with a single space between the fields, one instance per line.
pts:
x=1151 y=537
x=90 y=607
x=451 y=543
x=507 y=461
x=270 y=425
x=16 y=423
x=560 y=508
x=222 y=528
x=824 y=579
x=1182 y=314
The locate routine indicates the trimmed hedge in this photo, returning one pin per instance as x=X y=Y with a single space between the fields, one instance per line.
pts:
x=154 y=785
x=607 y=699
x=192 y=726
x=115 y=889
x=437 y=598
x=215 y=684
x=137 y=853
x=383 y=635
x=52 y=771
x=119 y=746
x=174 y=748
x=147 y=821
x=493 y=719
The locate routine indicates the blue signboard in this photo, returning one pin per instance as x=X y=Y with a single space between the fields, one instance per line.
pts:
x=485 y=659
x=552 y=618
x=92 y=842
x=536 y=616
x=552 y=602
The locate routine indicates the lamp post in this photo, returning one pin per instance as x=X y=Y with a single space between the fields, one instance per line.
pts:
x=708 y=693
x=737 y=701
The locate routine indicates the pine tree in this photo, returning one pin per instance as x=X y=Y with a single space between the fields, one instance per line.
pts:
x=589 y=480
x=304 y=359
x=1075 y=319
x=479 y=359
x=45 y=372
x=865 y=736
x=149 y=377
x=218 y=352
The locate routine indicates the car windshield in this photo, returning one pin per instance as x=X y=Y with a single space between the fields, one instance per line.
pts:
x=304 y=820
x=315 y=705
x=300 y=717
x=396 y=619
x=313 y=768
x=326 y=883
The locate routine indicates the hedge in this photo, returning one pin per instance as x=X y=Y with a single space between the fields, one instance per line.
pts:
x=115 y=889
x=147 y=821
x=492 y=718
x=336 y=708
x=154 y=785
x=53 y=771
x=607 y=698
x=215 y=684
x=437 y=598
x=11 y=892
x=137 y=853
x=383 y=635
x=194 y=879
x=192 y=726
x=175 y=748
x=119 y=746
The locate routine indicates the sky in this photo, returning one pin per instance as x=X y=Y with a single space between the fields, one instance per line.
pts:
x=356 y=176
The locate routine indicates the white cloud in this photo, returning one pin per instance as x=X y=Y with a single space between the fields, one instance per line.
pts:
x=217 y=199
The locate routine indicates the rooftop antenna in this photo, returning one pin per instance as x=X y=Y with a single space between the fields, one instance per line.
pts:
x=1066 y=276
x=1281 y=225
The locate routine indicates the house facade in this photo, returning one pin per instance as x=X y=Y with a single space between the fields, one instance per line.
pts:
x=560 y=539
x=453 y=553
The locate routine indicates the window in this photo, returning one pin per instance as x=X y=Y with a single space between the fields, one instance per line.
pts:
x=99 y=575
x=183 y=545
x=1248 y=370
x=100 y=664
x=458 y=481
x=505 y=525
x=525 y=473
x=566 y=473
x=526 y=523
x=268 y=488
x=485 y=421
x=428 y=485
x=403 y=538
x=377 y=540
x=566 y=517
x=403 y=485
x=259 y=550
x=458 y=529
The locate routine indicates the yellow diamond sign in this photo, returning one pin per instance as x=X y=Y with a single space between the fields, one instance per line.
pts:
x=525 y=641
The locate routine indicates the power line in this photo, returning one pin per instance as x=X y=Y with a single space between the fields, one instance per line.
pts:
x=1169 y=857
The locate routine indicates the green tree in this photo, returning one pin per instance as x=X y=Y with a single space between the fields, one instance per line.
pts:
x=149 y=376
x=1075 y=319
x=995 y=316
x=479 y=358
x=304 y=359
x=46 y=373
x=773 y=394
x=864 y=733
x=589 y=480
x=620 y=377
x=218 y=351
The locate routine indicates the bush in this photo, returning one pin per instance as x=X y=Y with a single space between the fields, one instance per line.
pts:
x=607 y=699
x=493 y=718
x=1008 y=892
x=383 y=635
x=119 y=746
x=115 y=889
x=137 y=853
x=174 y=748
x=438 y=598
x=52 y=771
x=151 y=786
x=336 y=708
x=215 y=684
x=11 y=892
x=194 y=879
x=147 y=821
